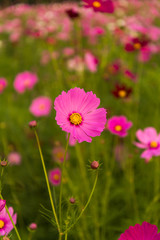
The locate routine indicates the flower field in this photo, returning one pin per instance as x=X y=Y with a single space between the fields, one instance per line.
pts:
x=80 y=121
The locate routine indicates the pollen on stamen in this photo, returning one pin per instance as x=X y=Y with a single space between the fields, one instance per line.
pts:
x=75 y=118
x=96 y=4
x=118 y=128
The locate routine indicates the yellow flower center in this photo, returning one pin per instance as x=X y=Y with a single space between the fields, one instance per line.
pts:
x=75 y=118
x=41 y=107
x=59 y=155
x=26 y=83
x=118 y=128
x=1 y=224
x=122 y=93
x=96 y=4
x=153 y=144
x=1 y=86
x=137 y=46
x=56 y=177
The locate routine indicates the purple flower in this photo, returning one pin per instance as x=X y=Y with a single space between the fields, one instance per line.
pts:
x=119 y=125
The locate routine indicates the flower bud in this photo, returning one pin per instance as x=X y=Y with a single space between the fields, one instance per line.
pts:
x=32 y=124
x=94 y=165
x=4 y=163
x=72 y=200
x=33 y=226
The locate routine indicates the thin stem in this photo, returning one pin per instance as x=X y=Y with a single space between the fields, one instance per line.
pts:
x=84 y=208
x=66 y=235
x=15 y=228
x=47 y=181
x=61 y=184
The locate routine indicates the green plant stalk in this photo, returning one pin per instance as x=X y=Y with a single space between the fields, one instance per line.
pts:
x=15 y=228
x=47 y=181
x=87 y=203
x=61 y=184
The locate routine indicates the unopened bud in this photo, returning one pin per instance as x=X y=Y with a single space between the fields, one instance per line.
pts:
x=4 y=163
x=72 y=200
x=33 y=226
x=32 y=124
x=94 y=165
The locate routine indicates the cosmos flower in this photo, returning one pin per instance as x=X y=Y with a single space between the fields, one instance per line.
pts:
x=150 y=141
x=3 y=84
x=55 y=176
x=58 y=154
x=5 y=222
x=91 y=62
x=138 y=232
x=121 y=91
x=14 y=158
x=119 y=125
x=41 y=106
x=105 y=6
x=77 y=113
x=135 y=44
x=72 y=13
x=25 y=80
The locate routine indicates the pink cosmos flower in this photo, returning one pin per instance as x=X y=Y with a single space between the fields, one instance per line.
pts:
x=100 y=5
x=2 y=204
x=14 y=158
x=3 y=84
x=91 y=61
x=5 y=222
x=25 y=80
x=55 y=176
x=77 y=113
x=58 y=154
x=150 y=141
x=119 y=125
x=41 y=106
x=138 y=232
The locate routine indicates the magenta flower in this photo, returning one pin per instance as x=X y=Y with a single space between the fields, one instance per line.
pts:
x=3 y=84
x=41 y=106
x=139 y=232
x=14 y=158
x=2 y=204
x=5 y=222
x=149 y=140
x=77 y=113
x=105 y=6
x=119 y=125
x=91 y=62
x=55 y=176
x=25 y=80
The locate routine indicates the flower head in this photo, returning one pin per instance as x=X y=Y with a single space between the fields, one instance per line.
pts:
x=3 y=84
x=77 y=113
x=72 y=13
x=138 y=232
x=121 y=91
x=55 y=176
x=25 y=80
x=41 y=106
x=135 y=44
x=100 y=5
x=58 y=154
x=150 y=141
x=5 y=222
x=91 y=61
x=119 y=125
x=14 y=158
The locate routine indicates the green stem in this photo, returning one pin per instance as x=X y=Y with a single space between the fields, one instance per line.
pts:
x=84 y=208
x=47 y=181
x=66 y=234
x=15 y=228
x=61 y=184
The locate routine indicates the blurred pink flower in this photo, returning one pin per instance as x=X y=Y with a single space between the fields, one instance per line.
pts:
x=41 y=106
x=77 y=113
x=130 y=75
x=119 y=125
x=100 y=5
x=58 y=154
x=14 y=158
x=149 y=140
x=55 y=176
x=5 y=222
x=33 y=226
x=138 y=232
x=68 y=51
x=91 y=61
x=3 y=84
x=25 y=80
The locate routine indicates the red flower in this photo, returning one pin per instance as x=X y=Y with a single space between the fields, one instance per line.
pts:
x=100 y=5
x=72 y=13
x=121 y=91
x=135 y=44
